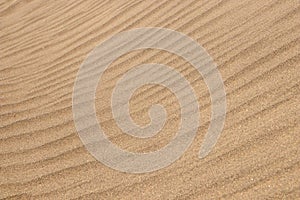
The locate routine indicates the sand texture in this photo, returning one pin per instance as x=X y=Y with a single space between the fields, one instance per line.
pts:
x=256 y=46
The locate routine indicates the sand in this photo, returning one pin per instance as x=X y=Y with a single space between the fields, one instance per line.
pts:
x=256 y=46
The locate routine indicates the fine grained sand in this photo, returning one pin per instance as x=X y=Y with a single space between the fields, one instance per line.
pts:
x=256 y=46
